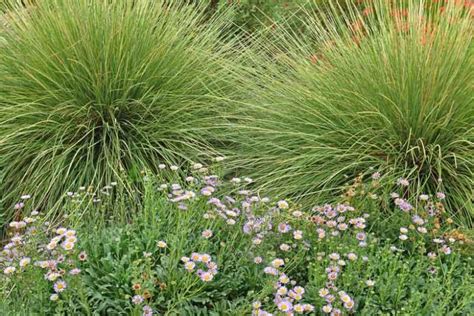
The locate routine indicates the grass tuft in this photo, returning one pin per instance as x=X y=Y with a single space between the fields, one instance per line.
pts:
x=92 y=90
x=387 y=88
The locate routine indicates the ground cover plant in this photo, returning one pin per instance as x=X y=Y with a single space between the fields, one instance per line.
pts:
x=94 y=89
x=204 y=246
x=387 y=86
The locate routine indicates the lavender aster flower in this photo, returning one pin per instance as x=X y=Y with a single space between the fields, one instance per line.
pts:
x=137 y=299
x=147 y=310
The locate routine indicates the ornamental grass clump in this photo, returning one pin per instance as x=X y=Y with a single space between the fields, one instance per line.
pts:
x=384 y=87
x=92 y=90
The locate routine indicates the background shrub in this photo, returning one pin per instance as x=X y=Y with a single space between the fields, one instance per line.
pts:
x=252 y=16
x=386 y=87
x=93 y=89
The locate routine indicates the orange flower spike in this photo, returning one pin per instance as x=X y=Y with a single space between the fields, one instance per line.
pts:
x=400 y=13
x=456 y=2
x=357 y=26
x=367 y=11
x=401 y=23
x=428 y=34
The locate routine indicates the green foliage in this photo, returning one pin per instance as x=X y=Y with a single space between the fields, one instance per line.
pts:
x=405 y=284
x=385 y=88
x=95 y=90
x=119 y=260
x=35 y=259
x=361 y=112
x=144 y=253
x=253 y=16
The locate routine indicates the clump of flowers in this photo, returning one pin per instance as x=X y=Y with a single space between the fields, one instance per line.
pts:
x=32 y=246
x=192 y=263
x=423 y=224
x=339 y=220
x=288 y=296
x=335 y=299
x=281 y=231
